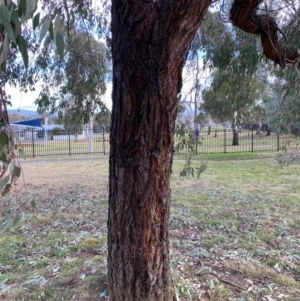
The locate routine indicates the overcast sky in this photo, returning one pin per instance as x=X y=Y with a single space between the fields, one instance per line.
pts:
x=25 y=101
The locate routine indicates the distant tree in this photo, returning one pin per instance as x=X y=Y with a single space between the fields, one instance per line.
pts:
x=74 y=85
x=231 y=97
x=103 y=118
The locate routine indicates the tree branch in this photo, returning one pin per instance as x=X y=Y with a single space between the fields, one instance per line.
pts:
x=243 y=14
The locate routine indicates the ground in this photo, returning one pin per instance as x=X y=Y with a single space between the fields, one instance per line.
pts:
x=234 y=232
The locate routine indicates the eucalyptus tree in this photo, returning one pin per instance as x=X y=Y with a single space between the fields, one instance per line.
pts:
x=103 y=117
x=231 y=98
x=150 y=43
x=73 y=85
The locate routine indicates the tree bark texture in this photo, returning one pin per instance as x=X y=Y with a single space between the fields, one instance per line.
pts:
x=150 y=41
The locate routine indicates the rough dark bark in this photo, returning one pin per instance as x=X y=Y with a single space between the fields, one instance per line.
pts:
x=149 y=47
x=243 y=14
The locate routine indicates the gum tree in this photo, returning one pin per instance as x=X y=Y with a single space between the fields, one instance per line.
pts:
x=150 y=42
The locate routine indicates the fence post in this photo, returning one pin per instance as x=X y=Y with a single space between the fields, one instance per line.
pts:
x=252 y=140
x=278 y=142
x=69 y=143
x=103 y=139
x=32 y=138
x=224 y=140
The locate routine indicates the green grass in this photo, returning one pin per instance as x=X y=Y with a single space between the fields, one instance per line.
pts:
x=240 y=220
x=228 y=156
x=213 y=147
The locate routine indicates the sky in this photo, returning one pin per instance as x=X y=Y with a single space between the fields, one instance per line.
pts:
x=25 y=101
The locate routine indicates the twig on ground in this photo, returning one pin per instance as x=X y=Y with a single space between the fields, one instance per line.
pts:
x=222 y=280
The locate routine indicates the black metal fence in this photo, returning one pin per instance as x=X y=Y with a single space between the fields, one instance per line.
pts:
x=38 y=143
x=221 y=141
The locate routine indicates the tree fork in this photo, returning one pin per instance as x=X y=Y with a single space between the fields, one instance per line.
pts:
x=243 y=15
x=150 y=41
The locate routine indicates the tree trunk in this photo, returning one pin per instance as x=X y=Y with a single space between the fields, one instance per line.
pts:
x=268 y=132
x=216 y=133
x=258 y=131
x=149 y=47
x=209 y=130
x=235 y=139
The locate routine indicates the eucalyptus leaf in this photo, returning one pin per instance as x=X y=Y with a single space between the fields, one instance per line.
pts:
x=17 y=24
x=16 y=172
x=30 y=8
x=8 y=224
x=51 y=31
x=1 y=57
x=23 y=49
x=57 y=24
x=44 y=29
x=60 y=45
x=6 y=189
x=3 y=138
x=36 y=21
x=4 y=181
x=5 y=19
x=22 y=153
x=6 y=46
x=22 y=6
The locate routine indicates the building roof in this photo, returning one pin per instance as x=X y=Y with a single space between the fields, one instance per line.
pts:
x=35 y=123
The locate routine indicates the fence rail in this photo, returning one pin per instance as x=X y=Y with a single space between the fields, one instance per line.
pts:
x=221 y=141
x=96 y=141
x=37 y=143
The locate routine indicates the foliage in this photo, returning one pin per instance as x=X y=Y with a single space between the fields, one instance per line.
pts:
x=10 y=172
x=72 y=87
x=188 y=170
x=15 y=36
x=103 y=118
x=286 y=158
x=58 y=131
x=235 y=85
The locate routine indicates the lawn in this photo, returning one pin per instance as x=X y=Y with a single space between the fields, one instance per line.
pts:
x=234 y=232
x=207 y=144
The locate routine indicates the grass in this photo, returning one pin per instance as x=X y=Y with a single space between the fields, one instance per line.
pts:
x=240 y=221
x=213 y=147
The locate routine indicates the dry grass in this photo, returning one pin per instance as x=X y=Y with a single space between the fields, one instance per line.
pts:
x=239 y=221
x=61 y=172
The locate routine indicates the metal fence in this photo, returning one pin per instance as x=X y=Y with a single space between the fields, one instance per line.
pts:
x=221 y=141
x=38 y=143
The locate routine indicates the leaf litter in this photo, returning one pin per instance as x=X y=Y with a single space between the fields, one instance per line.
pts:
x=226 y=244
